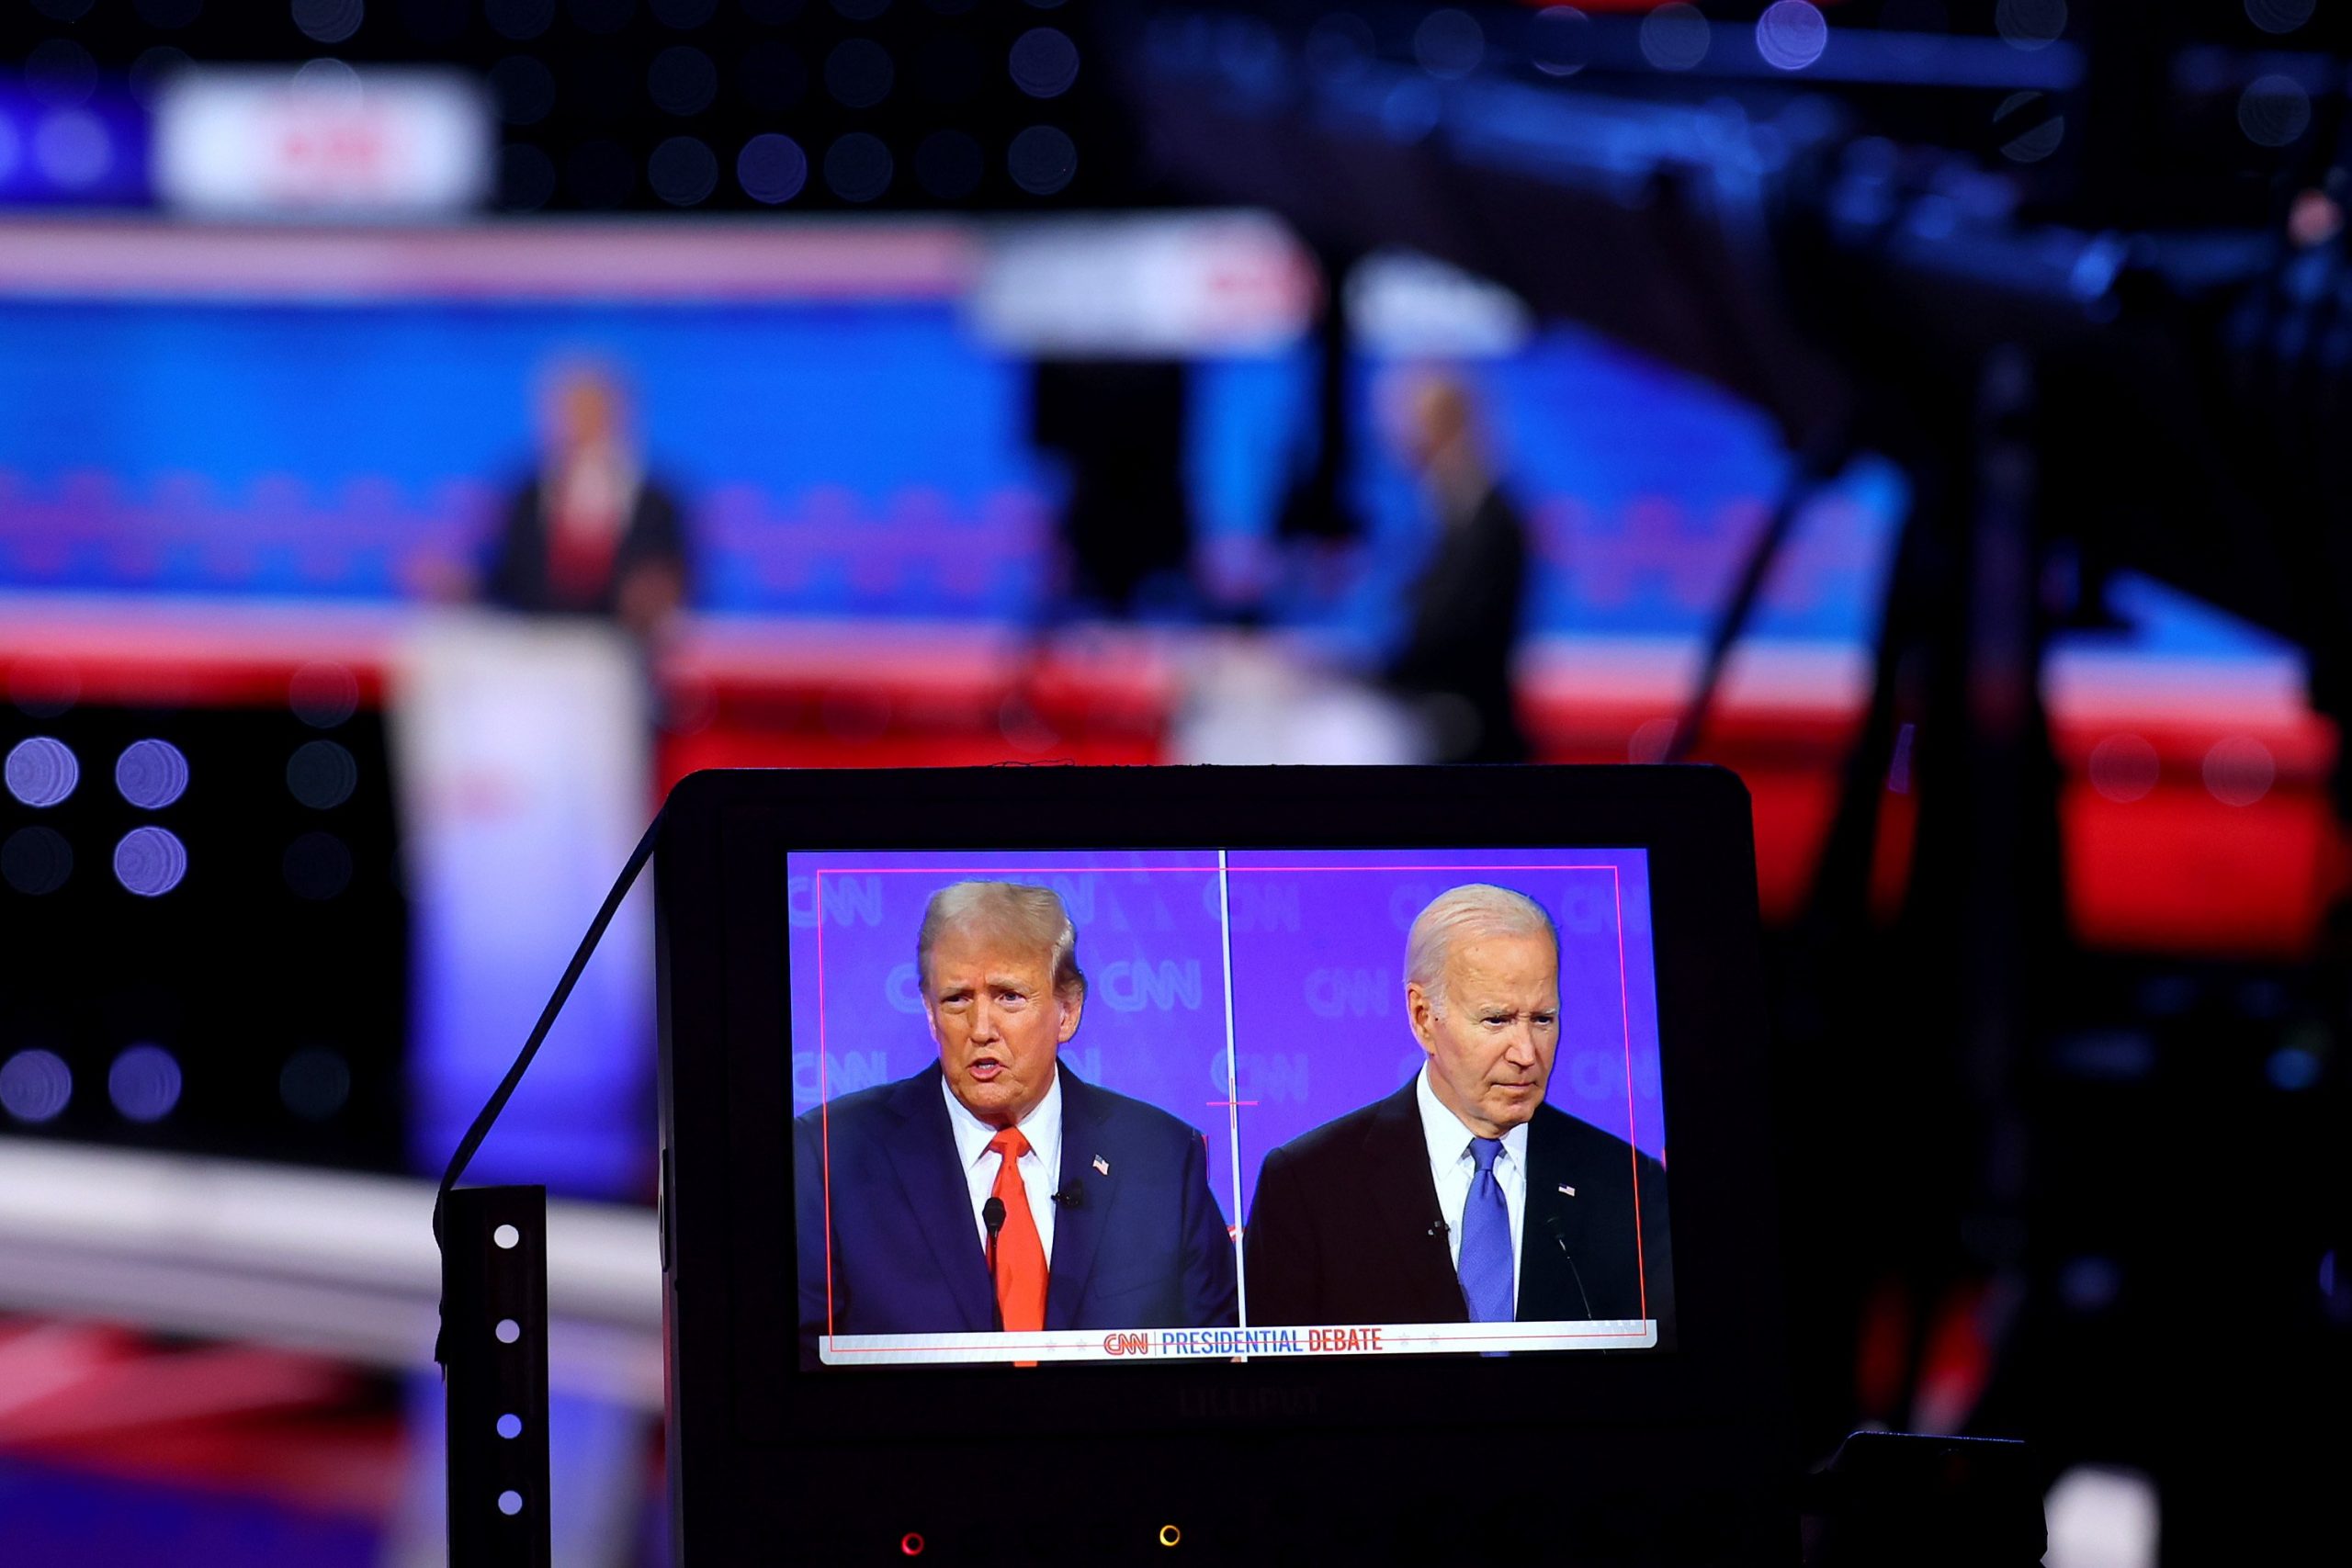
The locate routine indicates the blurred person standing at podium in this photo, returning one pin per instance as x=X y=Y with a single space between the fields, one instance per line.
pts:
x=590 y=533
x=1463 y=610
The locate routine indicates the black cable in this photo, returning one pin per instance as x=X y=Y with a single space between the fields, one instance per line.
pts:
x=471 y=1141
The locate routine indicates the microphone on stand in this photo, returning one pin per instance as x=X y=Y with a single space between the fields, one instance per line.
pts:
x=992 y=1216
x=1560 y=1237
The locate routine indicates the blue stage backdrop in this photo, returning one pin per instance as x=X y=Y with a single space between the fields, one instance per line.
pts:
x=1317 y=1002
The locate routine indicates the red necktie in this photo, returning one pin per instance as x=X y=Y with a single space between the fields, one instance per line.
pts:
x=1020 y=1256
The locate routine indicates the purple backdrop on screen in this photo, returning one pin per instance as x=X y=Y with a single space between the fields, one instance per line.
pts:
x=1317 y=976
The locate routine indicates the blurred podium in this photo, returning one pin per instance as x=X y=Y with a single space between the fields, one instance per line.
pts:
x=523 y=748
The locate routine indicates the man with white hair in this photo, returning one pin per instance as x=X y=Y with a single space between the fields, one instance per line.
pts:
x=1462 y=1198
x=997 y=1190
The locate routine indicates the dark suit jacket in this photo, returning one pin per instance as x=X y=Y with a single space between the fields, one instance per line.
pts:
x=1463 y=614
x=1144 y=1246
x=515 y=574
x=1345 y=1227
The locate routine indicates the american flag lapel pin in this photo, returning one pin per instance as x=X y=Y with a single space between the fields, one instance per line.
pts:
x=1103 y=1164
x=1568 y=1190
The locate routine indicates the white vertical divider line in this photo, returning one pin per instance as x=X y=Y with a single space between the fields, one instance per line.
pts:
x=1232 y=1083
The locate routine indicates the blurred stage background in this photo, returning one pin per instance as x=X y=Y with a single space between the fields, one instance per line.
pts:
x=428 y=428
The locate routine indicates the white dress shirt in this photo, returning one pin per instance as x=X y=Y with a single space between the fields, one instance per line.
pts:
x=1041 y=1168
x=1454 y=1169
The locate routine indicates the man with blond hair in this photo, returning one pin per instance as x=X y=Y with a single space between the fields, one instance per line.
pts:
x=1462 y=1197
x=996 y=1189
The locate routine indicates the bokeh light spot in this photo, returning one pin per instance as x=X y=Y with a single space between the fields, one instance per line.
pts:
x=1044 y=63
x=72 y=148
x=683 y=170
x=510 y=1426
x=321 y=774
x=2124 y=768
x=151 y=774
x=510 y=1503
x=42 y=771
x=60 y=74
x=1559 y=40
x=36 y=861
x=144 y=1083
x=858 y=167
x=1043 y=160
x=2239 y=769
x=314 y=1083
x=2291 y=1069
x=328 y=21
x=1790 y=35
x=2280 y=16
x=36 y=1086
x=2031 y=24
x=2028 y=137
x=772 y=168
x=2274 y=110
x=1676 y=37
x=859 y=72
x=150 y=862
x=1449 y=43
x=323 y=695
x=43 y=686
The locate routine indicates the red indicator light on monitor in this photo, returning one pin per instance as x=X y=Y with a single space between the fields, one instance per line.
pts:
x=912 y=1544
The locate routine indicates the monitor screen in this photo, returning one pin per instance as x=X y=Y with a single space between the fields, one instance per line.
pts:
x=1225 y=1104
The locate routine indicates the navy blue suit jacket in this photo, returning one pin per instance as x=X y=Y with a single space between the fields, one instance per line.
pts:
x=1140 y=1245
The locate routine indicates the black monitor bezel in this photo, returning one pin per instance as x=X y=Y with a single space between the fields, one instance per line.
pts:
x=755 y=1437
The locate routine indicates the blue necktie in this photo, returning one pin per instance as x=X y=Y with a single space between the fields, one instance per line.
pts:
x=1484 y=1266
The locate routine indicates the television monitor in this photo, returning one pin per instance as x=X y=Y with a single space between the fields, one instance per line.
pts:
x=1082 y=1164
